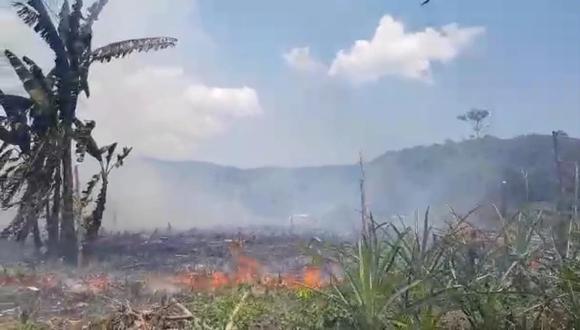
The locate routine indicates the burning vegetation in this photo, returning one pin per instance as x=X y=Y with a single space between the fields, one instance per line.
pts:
x=522 y=274
x=151 y=287
x=249 y=271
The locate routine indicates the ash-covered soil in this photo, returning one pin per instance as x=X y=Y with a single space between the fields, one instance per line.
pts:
x=145 y=270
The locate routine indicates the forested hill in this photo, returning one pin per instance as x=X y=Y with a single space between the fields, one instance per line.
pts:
x=459 y=174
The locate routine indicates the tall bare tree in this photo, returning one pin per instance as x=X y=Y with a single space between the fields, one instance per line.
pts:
x=477 y=119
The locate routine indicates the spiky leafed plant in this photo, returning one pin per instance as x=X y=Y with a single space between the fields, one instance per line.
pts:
x=504 y=288
x=71 y=42
x=424 y=258
x=374 y=282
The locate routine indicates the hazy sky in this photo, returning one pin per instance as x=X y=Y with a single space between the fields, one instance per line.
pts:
x=302 y=82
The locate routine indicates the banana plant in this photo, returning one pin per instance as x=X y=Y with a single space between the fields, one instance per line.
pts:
x=31 y=157
x=52 y=99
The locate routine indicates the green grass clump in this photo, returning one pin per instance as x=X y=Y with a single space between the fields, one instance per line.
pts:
x=279 y=309
x=397 y=277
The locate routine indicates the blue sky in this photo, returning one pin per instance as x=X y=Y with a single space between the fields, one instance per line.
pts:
x=525 y=68
x=231 y=93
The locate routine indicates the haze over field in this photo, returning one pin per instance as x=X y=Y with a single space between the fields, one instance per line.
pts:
x=460 y=175
x=259 y=84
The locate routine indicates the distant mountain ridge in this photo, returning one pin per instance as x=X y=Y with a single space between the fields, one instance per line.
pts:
x=460 y=174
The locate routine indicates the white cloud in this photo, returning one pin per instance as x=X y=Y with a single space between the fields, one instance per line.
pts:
x=161 y=111
x=151 y=102
x=394 y=51
x=231 y=102
x=299 y=58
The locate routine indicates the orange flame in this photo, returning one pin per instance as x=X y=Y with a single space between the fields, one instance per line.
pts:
x=248 y=271
x=313 y=277
x=97 y=283
x=219 y=280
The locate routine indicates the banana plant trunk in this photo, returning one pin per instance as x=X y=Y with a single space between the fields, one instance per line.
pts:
x=22 y=222
x=68 y=236
x=97 y=215
x=93 y=222
x=52 y=218
x=36 y=234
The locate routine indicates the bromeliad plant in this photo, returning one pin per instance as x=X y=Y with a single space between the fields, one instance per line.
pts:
x=563 y=307
x=569 y=302
x=504 y=287
x=424 y=257
x=395 y=277
x=374 y=283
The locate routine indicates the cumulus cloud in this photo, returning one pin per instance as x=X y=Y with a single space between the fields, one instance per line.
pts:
x=392 y=51
x=299 y=58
